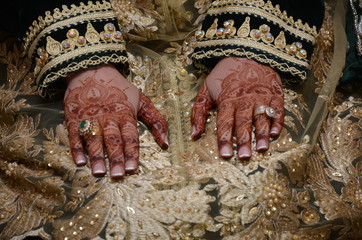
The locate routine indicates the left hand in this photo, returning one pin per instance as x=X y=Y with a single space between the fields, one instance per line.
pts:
x=239 y=87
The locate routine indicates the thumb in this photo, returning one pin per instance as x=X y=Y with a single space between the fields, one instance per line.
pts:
x=153 y=120
x=200 y=111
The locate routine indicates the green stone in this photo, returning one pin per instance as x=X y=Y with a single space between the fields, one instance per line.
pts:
x=82 y=124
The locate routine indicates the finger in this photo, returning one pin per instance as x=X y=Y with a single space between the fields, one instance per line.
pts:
x=131 y=143
x=243 y=128
x=76 y=143
x=278 y=121
x=154 y=120
x=225 y=126
x=114 y=146
x=96 y=155
x=200 y=111
x=262 y=131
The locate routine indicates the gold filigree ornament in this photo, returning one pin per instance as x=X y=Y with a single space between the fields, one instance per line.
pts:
x=63 y=18
x=136 y=17
x=54 y=48
x=244 y=30
x=210 y=33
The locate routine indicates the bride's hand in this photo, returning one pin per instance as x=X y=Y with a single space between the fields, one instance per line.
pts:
x=245 y=93
x=107 y=106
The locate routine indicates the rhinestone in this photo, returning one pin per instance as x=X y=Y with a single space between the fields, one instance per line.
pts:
x=220 y=32
x=72 y=33
x=227 y=24
x=264 y=28
x=106 y=36
x=257 y=34
x=228 y=31
x=66 y=45
x=81 y=40
x=118 y=35
x=302 y=53
x=199 y=34
x=292 y=49
x=110 y=27
x=299 y=45
x=269 y=37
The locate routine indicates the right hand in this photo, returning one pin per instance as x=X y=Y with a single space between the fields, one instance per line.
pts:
x=104 y=96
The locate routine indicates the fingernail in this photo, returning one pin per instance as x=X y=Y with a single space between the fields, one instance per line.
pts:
x=99 y=169
x=274 y=131
x=262 y=145
x=166 y=144
x=226 y=151
x=130 y=166
x=193 y=131
x=117 y=172
x=244 y=152
x=80 y=160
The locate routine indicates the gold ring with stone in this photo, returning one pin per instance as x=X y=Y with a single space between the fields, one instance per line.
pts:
x=89 y=128
x=269 y=111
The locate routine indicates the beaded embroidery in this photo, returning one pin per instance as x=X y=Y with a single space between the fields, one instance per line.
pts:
x=244 y=32
x=54 y=48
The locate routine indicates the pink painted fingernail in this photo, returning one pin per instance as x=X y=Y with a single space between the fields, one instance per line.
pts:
x=244 y=152
x=80 y=160
x=274 y=131
x=130 y=166
x=99 y=169
x=117 y=172
x=262 y=145
x=226 y=151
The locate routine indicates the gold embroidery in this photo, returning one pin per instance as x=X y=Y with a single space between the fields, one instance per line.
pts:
x=91 y=35
x=63 y=18
x=244 y=30
x=210 y=33
x=280 y=41
x=75 y=66
x=269 y=12
x=55 y=48
x=66 y=23
x=284 y=67
x=257 y=45
x=263 y=33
